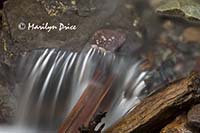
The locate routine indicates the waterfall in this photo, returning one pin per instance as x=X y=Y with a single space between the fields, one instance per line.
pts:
x=53 y=84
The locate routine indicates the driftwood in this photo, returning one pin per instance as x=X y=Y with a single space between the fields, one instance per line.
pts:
x=156 y=111
x=179 y=125
x=87 y=105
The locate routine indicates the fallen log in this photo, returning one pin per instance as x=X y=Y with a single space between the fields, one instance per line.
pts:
x=87 y=105
x=154 y=112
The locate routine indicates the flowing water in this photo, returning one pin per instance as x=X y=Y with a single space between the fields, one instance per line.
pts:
x=51 y=84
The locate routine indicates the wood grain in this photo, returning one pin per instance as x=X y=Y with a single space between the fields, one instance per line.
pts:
x=155 y=111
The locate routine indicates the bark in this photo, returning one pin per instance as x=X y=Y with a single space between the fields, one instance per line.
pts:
x=87 y=105
x=157 y=110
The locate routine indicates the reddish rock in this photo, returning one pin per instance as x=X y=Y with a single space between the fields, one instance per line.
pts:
x=108 y=39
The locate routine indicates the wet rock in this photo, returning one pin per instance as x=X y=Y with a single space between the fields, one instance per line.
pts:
x=7 y=105
x=105 y=13
x=7 y=51
x=85 y=8
x=93 y=124
x=58 y=7
x=108 y=39
x=7 y=99
x=194 y=117
x=4 y=72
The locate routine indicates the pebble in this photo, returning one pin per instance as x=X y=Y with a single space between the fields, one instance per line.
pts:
x=108 y=39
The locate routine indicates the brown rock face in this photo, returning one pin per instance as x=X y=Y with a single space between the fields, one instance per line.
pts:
x=194 y=116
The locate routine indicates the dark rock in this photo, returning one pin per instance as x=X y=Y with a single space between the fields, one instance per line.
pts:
x=85 y=8
x=4 y=72
x=58 y=7
x=194 y=116
x=104 y=13
x=93 y=124
x=7 y=105
x=7 y=99
x=1 y=4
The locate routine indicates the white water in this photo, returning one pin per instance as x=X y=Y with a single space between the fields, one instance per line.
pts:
x=53 y=80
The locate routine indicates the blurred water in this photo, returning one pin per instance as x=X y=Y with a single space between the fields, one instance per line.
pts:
x=55 y=83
